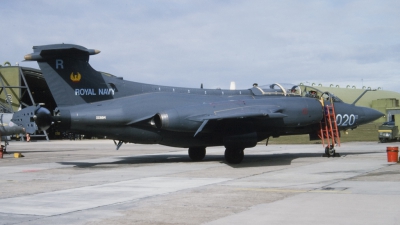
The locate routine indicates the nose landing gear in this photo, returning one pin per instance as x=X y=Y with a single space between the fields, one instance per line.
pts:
x=330 y=151
x=329 y=132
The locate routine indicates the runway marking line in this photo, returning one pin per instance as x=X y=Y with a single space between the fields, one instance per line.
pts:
x=293 y=190
x=29 y=171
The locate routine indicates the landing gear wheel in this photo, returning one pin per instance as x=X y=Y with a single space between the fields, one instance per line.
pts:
x=234 y=155
x=330 y=151
x=197 y=153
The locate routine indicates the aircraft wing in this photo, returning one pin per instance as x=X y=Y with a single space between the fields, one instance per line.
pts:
x=271 y=112
x=196 y=122
x=240 y=113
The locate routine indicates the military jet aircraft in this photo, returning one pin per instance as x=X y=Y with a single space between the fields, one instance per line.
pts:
x=7 y=128
x=95 y=103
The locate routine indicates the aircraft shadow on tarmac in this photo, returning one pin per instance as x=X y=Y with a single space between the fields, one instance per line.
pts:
x=44 y=151
x=250 y=160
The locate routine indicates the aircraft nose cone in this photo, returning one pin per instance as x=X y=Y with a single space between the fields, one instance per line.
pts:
x=371 y=114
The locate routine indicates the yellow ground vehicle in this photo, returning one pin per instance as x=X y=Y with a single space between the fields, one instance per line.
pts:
x=388 y=131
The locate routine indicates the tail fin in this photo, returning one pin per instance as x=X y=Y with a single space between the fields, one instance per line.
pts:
x=71 y=79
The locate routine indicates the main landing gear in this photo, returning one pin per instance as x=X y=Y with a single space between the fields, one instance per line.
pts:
x=197 y=153
x=232 y=155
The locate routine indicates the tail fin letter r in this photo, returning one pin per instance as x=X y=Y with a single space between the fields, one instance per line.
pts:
x=59 y=64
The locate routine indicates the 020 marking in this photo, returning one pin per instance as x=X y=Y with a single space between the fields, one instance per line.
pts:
x=345 y=120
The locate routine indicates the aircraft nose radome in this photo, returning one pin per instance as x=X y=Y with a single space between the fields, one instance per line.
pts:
x=372 y=114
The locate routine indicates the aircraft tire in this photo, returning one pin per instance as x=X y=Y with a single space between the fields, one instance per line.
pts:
x=330 y=151
x=197 y=153
x=327 y=151
x=234 y=155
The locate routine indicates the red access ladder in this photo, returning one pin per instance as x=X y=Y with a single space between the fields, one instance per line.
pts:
x=329 y=133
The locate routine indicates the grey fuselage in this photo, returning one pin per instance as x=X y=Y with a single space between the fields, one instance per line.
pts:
x=129 y=117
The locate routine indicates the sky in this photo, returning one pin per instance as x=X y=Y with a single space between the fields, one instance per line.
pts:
x=186 y=43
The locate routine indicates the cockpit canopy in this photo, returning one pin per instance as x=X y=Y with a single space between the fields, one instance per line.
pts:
x=293 y=90
x=276 y=89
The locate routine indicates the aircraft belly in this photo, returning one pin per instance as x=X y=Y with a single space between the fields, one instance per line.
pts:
x=186 y=140
x=126 y=134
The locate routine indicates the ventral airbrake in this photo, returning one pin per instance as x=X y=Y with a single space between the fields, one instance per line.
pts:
x=95 y=103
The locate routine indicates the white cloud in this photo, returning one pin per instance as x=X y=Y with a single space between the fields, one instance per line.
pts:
x=186 y=43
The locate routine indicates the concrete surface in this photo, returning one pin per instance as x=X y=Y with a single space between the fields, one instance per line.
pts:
x=89 y=182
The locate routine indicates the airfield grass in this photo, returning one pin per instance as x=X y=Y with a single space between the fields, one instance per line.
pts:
x=367 y=132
